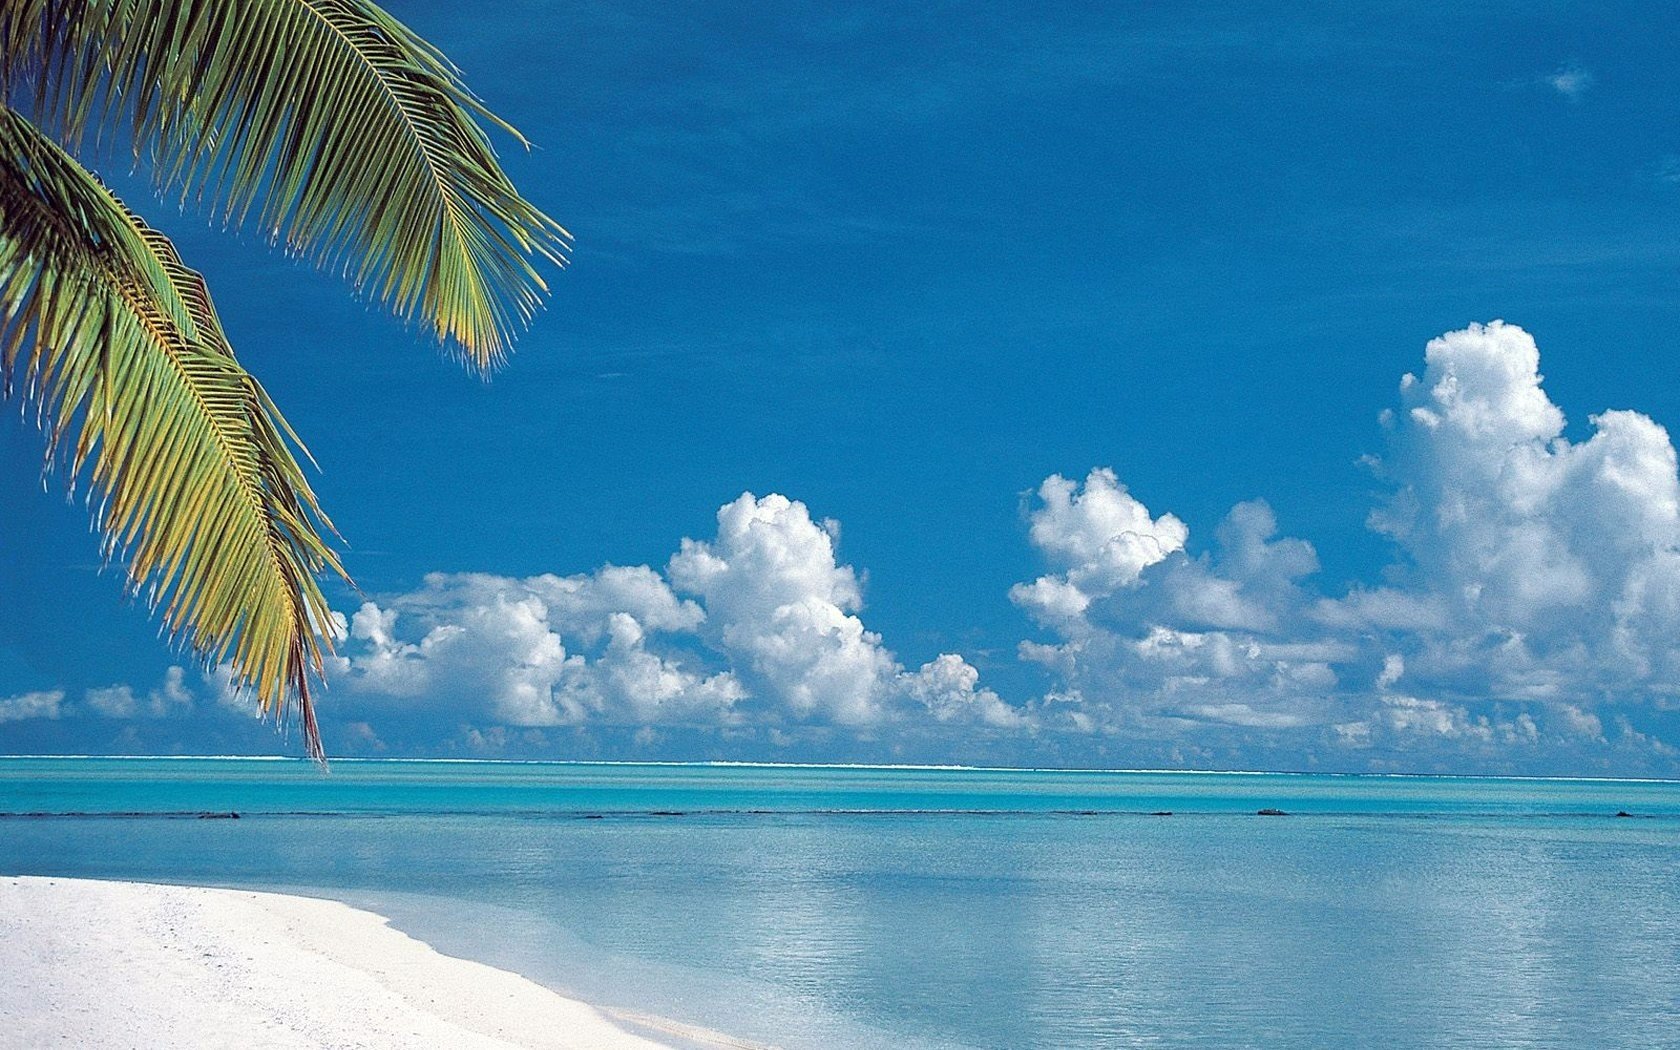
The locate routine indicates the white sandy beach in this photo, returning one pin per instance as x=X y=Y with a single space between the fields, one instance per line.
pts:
x=128 y=965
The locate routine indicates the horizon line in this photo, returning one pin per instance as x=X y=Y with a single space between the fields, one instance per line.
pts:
x=902 y=767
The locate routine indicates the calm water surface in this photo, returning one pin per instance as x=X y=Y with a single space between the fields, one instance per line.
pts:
x=831 y=907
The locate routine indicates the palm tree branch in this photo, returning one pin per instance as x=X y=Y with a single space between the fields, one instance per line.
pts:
x=113 y=336
x=352 y=139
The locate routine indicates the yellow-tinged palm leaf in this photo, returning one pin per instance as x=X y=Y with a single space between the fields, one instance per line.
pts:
x=329 y=123
x=117 y=344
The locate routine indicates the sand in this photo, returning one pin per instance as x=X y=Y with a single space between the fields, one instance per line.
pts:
x=94 y=964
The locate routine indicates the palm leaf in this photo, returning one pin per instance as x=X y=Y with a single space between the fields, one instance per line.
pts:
x=117 y=345
x=328 y=123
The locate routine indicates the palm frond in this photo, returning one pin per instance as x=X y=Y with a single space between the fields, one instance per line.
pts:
x=116 y=344
x=336 y=129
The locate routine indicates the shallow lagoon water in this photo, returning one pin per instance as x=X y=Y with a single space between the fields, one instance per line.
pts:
x=836 y=906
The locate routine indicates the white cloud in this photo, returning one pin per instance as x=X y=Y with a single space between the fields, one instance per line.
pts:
x=1179 y=641
x=1533 y=573
x=119 y=701
x=1554 y=565
x=1535 y=583
x=114 y=701
x=173 y=695
x=1100 y=536
x=949 y=687
x=228 y=694
x=1581 y=723
x=41 y=704
x=501 y=644
x=1405 y=721
x=758 y=623
x=783 y=609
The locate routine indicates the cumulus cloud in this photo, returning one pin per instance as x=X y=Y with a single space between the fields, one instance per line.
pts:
x=42 y=704
x=169 y=697
x=1534 y=578
x=779 y=603
x=1553 y=566
x=541 y=651
x=113 y=701
x=1400 y=720
x=759 y=623
x=1532 y=604
x=119 y=701
x=949 y=687
x=1166 y=639
x=1099 y=536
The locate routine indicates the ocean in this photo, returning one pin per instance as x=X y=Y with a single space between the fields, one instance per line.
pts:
x=814 y=908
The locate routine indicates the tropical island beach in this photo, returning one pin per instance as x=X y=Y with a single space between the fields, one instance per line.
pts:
x=821 y=907
x=839 y=526
x=109 y=965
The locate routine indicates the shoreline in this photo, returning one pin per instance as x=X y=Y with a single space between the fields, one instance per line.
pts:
x=106 y=964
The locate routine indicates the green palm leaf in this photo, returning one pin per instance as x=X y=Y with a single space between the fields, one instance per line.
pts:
x=117 y=345
x=334 y=127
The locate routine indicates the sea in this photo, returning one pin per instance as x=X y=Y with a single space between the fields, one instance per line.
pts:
x=823 y=907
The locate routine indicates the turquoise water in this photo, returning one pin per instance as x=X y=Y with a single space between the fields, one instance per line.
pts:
x=828 y=907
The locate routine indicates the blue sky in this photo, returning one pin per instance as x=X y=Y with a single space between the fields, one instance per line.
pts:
x=895 y=272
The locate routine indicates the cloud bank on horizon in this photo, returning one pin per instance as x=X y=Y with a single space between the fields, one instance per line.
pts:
x=757 y=627
x=1528 y=620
